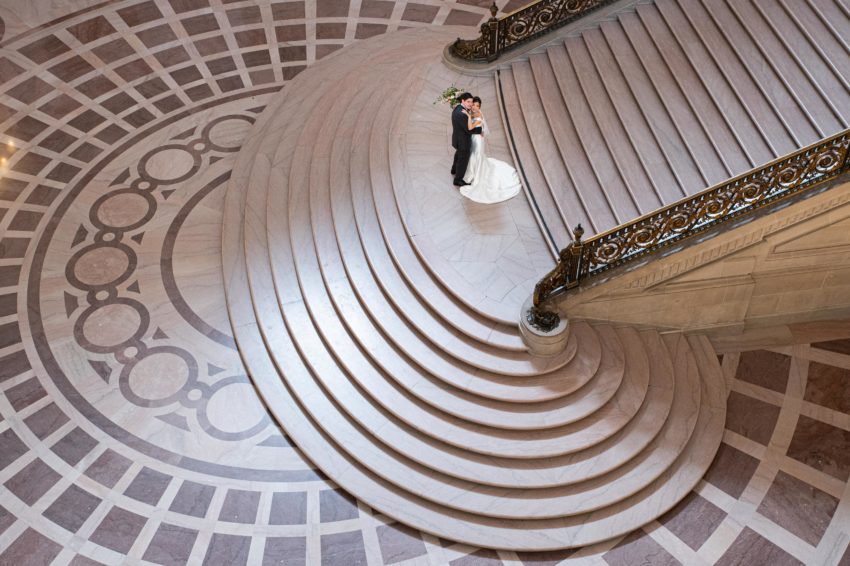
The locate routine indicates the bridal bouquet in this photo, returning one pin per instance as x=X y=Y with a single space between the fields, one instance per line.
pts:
x=449 y=96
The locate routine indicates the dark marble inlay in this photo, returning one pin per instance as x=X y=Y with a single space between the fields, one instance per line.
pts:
x=221 y=65
x=10 y=190
x=343 y=549
x=168 y=104
x=331 y=30
x=323 y=50
x=288 y=10
x=186 y=75
x=91 y=30
x=821 y=446
x=139 y=118
x=399 y=542
x=26 y=220
x=118 y=530
x=171 y=545
x=293 y=53
x=157 y=35
x=64 y=172
x=180 y=6
x=289 y=508
x=262 y=77
x=751 y=417
x=13 y=364
x=86 y=152
x=96 y=87
x=8 y=303
x=44 y=49
x=148 y=486
x=31 y=164
x=33 y=481
x=693 y=520
x=9 y=70
x=59 y=106
x=11 y=448
x=376 y=9
x=118 y=103
x=845 y=560
x=828 y=386
x=419 y=13
x=172 y=56
x=751 y=548
x=252 y=37
x=244 y=16
x=87 y=120
x=31 y=547
x=114 y=50
x=30 y=90
x=332 y=8
x=798 y=507
x=26 y=128
x=336 y=505
x=731 y=470
x=211 y=45
x=227 y=550
x=199 y=92
x=25 y=393
x=46 y=421
x=200 y=24
x=108 y=468
x=80 y=560
x=230 y=83
x=766 y=369
x=42 y=195
x=6 y=519
x=11 y=248
x=57 y=141
x=140 y=13
x=365 y=31
x=257 y=58
x=72 y=508
x=71 y=69
x=192 y=499
x=292 y=33
x=240 y=506
x=639 y=548
x=152 y=87
x=133 y=70
x=287 y=551
x=74 y=446
x=483 y=557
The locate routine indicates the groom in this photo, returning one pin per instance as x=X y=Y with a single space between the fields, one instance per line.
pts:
x=461 y=138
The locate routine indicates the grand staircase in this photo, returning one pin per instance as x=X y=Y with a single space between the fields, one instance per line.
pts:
x=405 y=389
x=672 y=97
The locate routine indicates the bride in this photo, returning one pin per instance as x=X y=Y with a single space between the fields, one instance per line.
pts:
x=490 y=180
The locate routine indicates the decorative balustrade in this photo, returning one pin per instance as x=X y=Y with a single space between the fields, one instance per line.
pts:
x=743 y=195
x=521 y=26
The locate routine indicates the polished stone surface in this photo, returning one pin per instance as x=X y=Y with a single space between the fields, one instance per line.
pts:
x=110 y=218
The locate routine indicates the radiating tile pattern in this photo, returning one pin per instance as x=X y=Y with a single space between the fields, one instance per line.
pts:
x=128 y=430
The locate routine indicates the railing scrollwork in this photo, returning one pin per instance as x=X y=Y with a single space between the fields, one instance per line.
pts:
x=521 y=26
x=801 y=171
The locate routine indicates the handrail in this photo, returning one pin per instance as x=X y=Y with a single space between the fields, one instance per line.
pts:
x=521 y=26
x=743 y=195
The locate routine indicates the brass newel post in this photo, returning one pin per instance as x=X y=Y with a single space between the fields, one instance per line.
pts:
x=564 y=276
x=490 y=30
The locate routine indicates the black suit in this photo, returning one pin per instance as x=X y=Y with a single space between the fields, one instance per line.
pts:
x=461 y=142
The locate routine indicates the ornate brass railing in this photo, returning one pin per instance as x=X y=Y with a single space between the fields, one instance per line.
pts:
x=521 y=26
x=743 y=195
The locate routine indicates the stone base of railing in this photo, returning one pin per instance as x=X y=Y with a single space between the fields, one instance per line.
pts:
x=539 y=342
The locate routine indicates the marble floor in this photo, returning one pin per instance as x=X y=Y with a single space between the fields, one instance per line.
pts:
x=131 y=434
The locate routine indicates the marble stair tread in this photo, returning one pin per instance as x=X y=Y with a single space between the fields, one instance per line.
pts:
x=724 y=99
x=635 y=172
x=548 y=210
x=557 y=68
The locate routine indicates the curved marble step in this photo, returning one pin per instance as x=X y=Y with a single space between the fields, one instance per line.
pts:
x=362 y=420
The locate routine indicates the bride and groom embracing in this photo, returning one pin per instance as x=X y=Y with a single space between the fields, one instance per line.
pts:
x=480 y=178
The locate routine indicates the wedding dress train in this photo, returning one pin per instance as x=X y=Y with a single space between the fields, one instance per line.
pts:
x=490 y=180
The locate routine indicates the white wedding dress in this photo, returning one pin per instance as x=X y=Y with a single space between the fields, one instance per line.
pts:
x=490 y=180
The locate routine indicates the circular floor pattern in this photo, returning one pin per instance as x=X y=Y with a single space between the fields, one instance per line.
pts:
x=73 y=493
